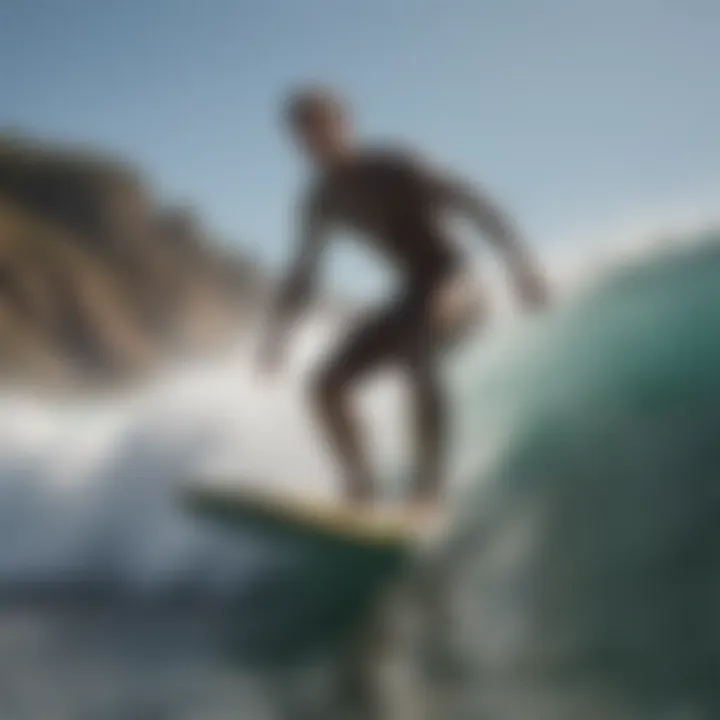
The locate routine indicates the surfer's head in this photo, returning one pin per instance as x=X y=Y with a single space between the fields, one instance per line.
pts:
x=319 y=120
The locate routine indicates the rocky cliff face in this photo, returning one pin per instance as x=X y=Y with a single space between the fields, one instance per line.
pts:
x=97 y=280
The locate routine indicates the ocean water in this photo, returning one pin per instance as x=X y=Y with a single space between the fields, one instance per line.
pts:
x=581 y=565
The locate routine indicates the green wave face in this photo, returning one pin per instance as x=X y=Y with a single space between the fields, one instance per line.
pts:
x=586 y=558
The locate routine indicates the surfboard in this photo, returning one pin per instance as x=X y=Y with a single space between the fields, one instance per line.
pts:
x=321 y=568
x=281 y=512
x=325 y=565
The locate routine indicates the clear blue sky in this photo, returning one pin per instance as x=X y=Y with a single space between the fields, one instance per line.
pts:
x=578 y=113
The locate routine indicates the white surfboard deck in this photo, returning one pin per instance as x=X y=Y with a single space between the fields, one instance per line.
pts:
x=368 y=525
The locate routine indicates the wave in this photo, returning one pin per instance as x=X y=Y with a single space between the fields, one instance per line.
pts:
x=87 y=487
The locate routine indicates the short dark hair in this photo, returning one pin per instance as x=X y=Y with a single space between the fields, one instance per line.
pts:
x=305 y=104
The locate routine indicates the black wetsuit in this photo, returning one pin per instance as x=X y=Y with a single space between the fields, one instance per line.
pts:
x=395 y=202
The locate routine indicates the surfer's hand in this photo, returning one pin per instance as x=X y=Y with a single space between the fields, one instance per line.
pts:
x=272 y=358
x=270 y=364
x=532 y=289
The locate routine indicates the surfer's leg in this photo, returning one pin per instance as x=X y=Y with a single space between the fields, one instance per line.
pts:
x=430 y=429
x=438 y=318
x=371 y=344
x=421 y=361
x=341 y=426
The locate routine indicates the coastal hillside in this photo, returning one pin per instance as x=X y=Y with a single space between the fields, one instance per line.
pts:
x=98 y=280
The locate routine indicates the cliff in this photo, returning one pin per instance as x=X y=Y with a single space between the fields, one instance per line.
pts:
x=99 y=281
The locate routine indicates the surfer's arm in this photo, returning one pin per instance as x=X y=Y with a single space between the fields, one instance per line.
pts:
x=498 y=228
x=296 y=287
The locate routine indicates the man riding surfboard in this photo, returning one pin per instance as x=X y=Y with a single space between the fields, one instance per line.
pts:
x=396 y=202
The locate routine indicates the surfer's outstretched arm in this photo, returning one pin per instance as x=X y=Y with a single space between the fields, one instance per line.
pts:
x=296 y=288
x=499 y=229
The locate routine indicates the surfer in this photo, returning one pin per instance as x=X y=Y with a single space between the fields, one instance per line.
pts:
x=395 y=201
